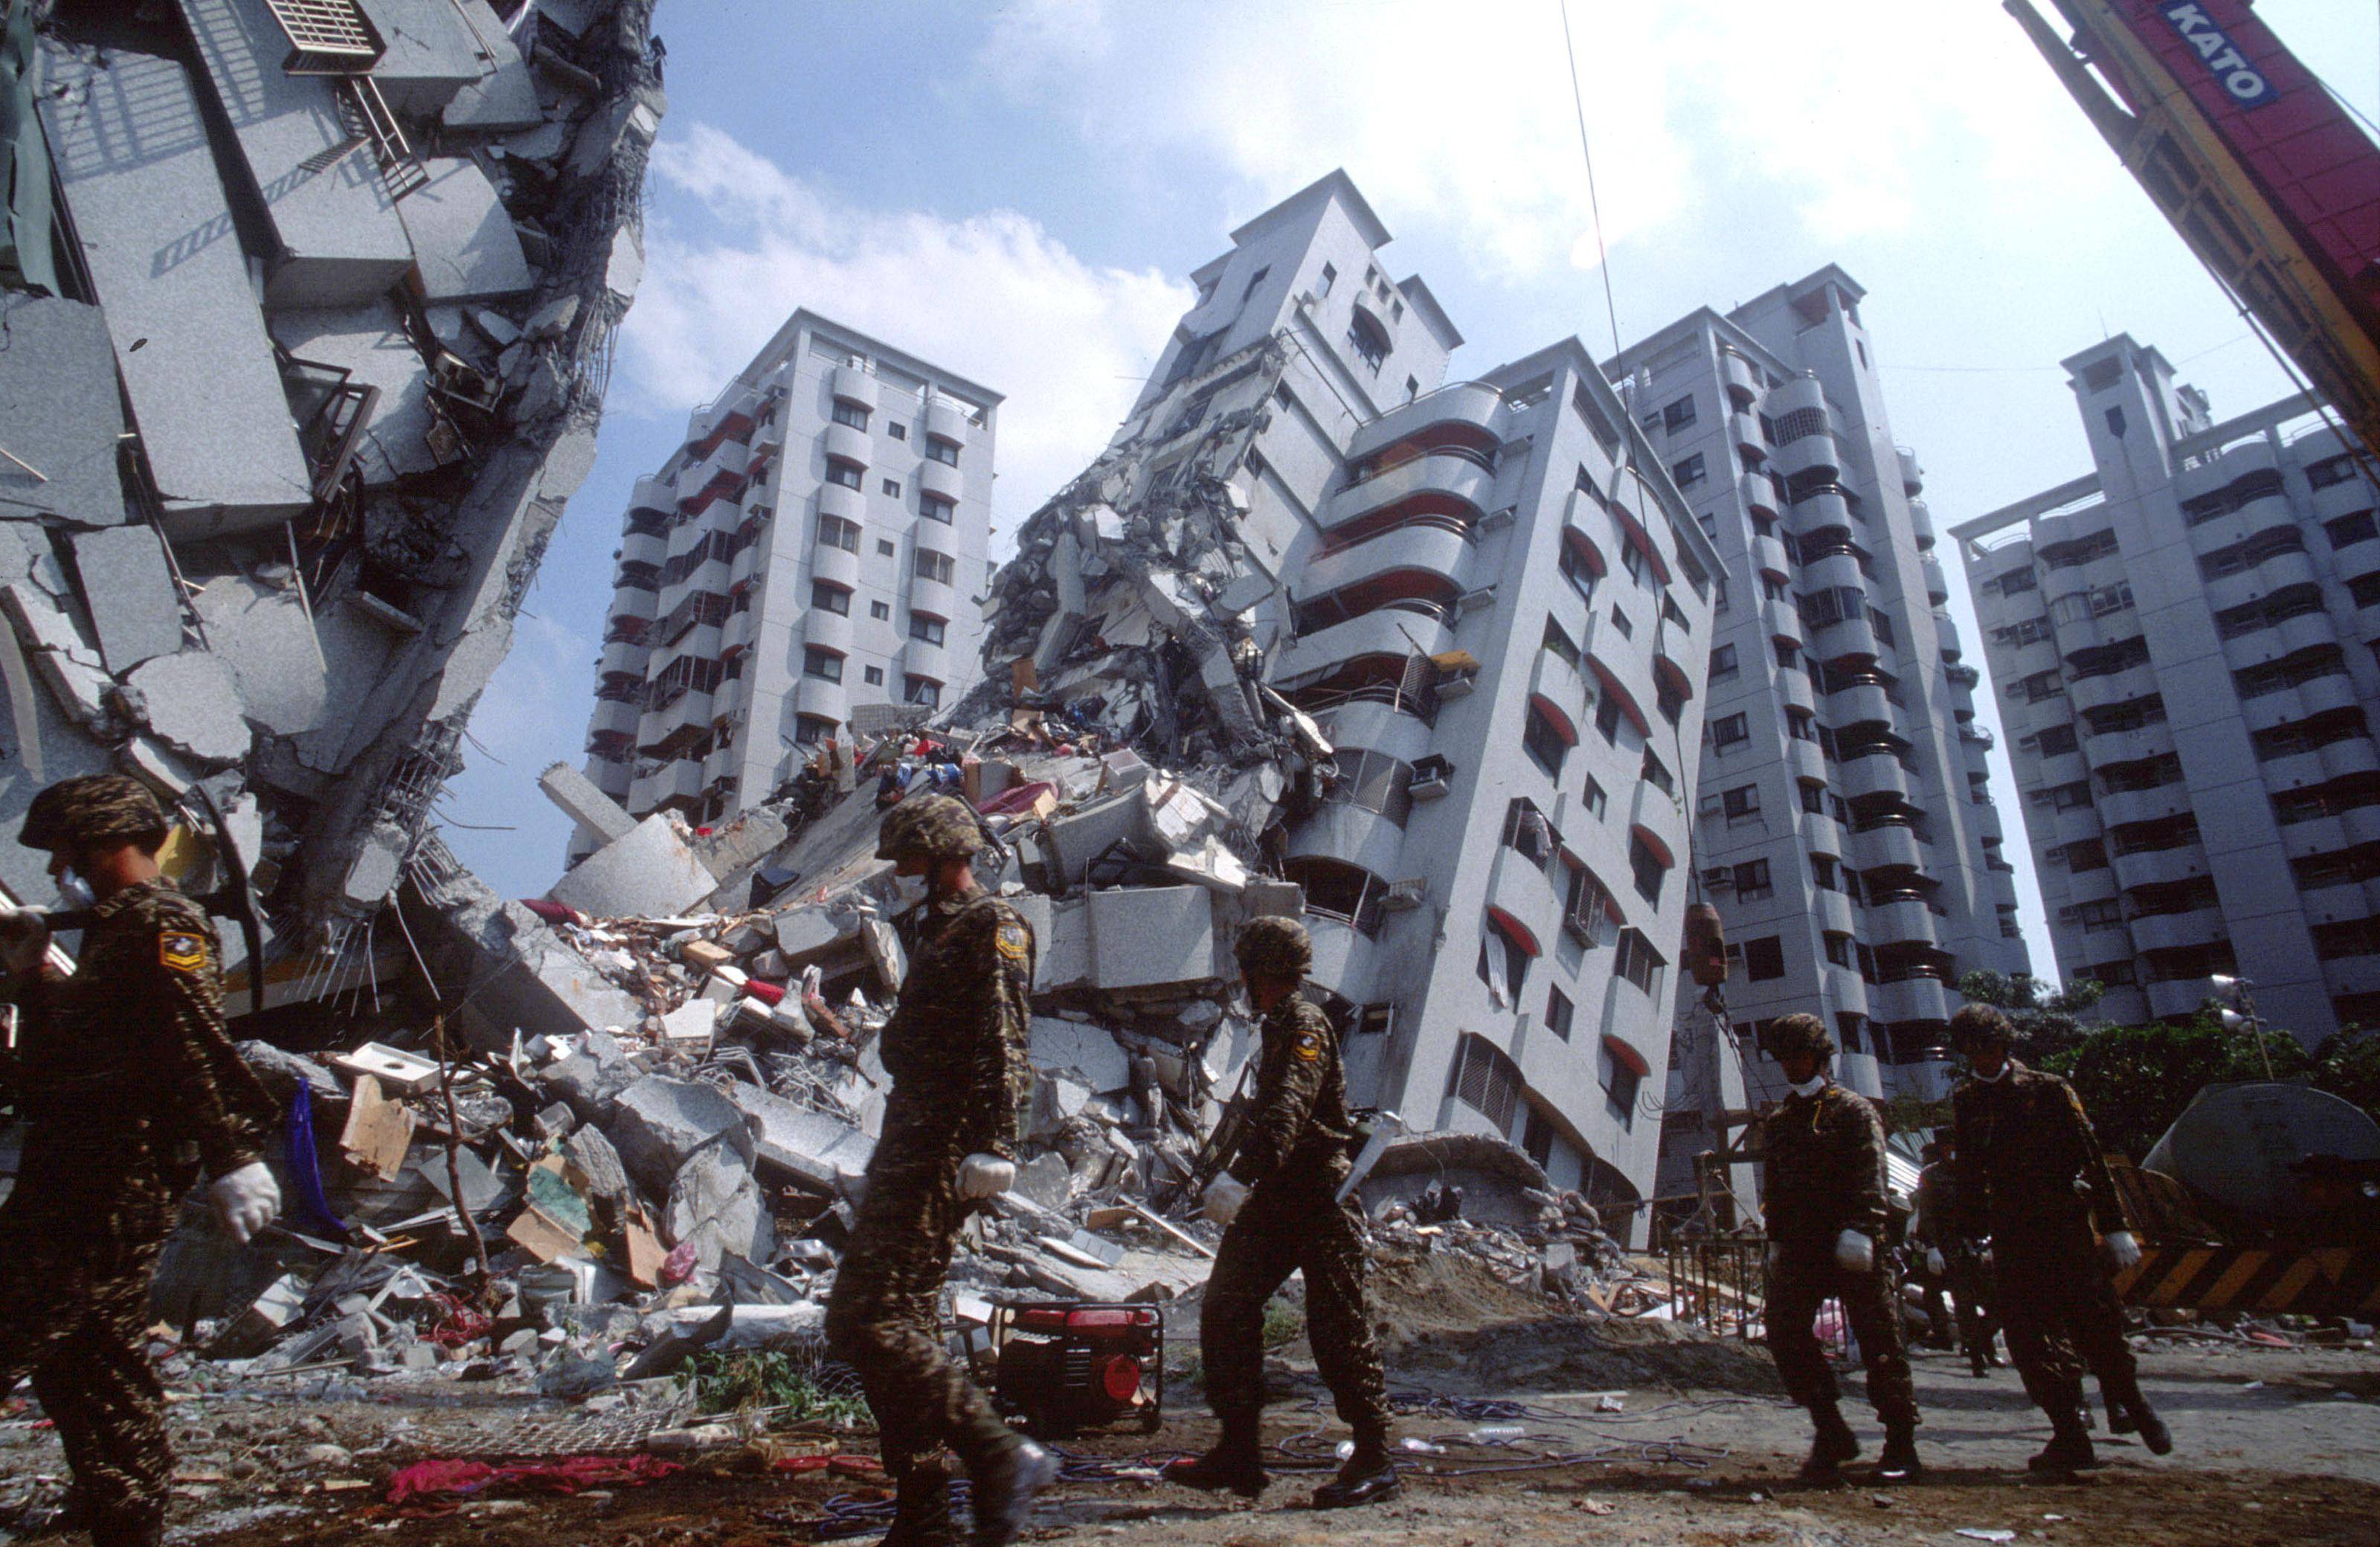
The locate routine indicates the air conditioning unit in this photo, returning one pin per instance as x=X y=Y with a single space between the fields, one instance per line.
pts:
x=1433 y=775
x=1496 y=520
x=1579 y=929
x=1405 y=894
x=1471 y=601
x=1719 y=878
x=1456 y=684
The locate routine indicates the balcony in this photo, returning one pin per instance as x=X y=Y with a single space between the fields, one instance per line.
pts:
x=2122 y=808
x=840 y=565
x=1744 y=429
x=1904 y=920
x=1937 y=584
x=948 y=420
x=2291 y=568
x=927 y=594
x=924 y=658
x=1820 y=832
x=2107 y=748
x=1451 y=410
x=1660 y=817
x=849 y=444
x=1946 y=636
x=655 y=495
x=1912 y=477
x=2076 y=824
x=1444 y=482
x=815 y=695
x=1386 y=724
x=2149 y=867
x=854 y=384
x=2354 y=754
x=1524 y=893
x=2110 y=688
x=1399 y=629
x=736 y=634
x=622 y=658
x=1432 y=544
x=832 y=630
x=1921 y=522
x=835 y=499
x=941 y=478
x=715 y=474
x=1759 y=495
x=1343 y=954
x=1741 y=377
x=1806 y=760
x=2344 y=975
x=644 y=547
x=1783 y=623
x=1909 y=999
x=1875 y=773
x=1833 y=912
x=2167 y=932
x=612 y=717
x=1844 y=638
x=2336 y=903
x=1886 y=844
x=1561 y=683
x=1860 y=703
x=631 y=605
x=1794 y=691
x=1352 y=834
x=1769 y=557
x=1825 y=569
x=1814 y=452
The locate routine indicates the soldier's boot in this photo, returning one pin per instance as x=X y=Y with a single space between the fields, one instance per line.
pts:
x=922 y=1510
x=1979 y=1358
x=2119 y=1417
x=1236 y=1464
x=128 y=1528
x=1834 y=1444
x=1898 y=1463
x=1005 y=1470
x=2070 y=1448
x=1368 y=1477
x=2141 y=1417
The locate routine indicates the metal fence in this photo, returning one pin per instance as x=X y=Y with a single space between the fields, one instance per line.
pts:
x=1718 y=1285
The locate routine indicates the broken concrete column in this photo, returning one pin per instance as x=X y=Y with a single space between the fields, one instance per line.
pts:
x=584 y=804
x=649 y=872
x=659 y=1122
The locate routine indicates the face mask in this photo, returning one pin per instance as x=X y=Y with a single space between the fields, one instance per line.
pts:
x=74 y=892
x=1810 y=1087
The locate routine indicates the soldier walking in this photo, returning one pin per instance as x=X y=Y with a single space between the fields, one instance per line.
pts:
x=2031 y=1178
x=129 y=1091
x=1278 y=1200
x=1826 y=1217
x=956 y=1049
x=1950 y=1257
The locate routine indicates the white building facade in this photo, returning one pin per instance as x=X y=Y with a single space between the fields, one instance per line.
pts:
x=2182 y=643
x=1844 y=827
x=818 y=545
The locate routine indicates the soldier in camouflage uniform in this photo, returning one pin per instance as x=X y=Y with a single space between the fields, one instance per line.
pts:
x=1826 y=1217
x=1950 y=1257
x=956 y=1049
x=2031 y=1178
x=130 y=1090
x=1278 y=1200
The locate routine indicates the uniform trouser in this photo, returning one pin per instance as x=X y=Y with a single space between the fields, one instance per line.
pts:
x=1290 y=1225
x=884 y=1317
x=1970 y=1284
x=1805 y=1278
x=2058 y=1310
x=73 y=1315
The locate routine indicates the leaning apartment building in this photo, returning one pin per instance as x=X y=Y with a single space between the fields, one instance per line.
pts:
x=1495 y=605
x=818 y=545
x=2182 y=643
x=1844 y=827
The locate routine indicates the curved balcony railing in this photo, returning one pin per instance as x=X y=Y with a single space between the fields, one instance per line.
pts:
x=1473 y=404
x=1432 y=544
x=942 y=479
x=1449 y=475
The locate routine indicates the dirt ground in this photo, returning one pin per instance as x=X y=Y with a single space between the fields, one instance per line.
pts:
x=2273 y=1446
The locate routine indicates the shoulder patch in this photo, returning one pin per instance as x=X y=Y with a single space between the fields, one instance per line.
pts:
x=1015 y=942
x=1308 y=1046
x=181 y=952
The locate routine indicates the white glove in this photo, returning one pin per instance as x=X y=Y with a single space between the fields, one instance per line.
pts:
x=1935 y=1263
x=245 y=1201
x=2122 y=1250
x=1855 y=1253
x=1223 y=1198
x=983 y=1176
x=24 y=937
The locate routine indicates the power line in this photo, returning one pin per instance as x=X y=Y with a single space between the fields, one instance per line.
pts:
x=1594 y=206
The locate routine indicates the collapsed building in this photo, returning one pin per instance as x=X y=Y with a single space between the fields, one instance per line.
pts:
x=302 y=360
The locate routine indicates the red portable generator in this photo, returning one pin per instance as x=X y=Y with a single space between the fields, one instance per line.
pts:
x=1074 y=1365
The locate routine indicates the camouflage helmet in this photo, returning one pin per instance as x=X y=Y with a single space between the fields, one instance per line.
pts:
x=92 y=809
x=929 y=827
x=1275 y=947
x=1976 y=1025
x=1800 y=1033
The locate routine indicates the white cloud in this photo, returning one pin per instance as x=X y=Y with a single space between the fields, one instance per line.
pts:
x=993 y=297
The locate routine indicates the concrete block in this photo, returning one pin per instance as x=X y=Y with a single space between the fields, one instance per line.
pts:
x=585 y=804
x=466 y=244
x=1073 y=840
x=751 y=838
x=819 y=1151
x=717 y=1203
x=1151 y=936
x=341 y=243
x=1090 y=1051
x=649 y=873
x=131 y=151
x=505 y=96
x=369 y=343
x=806 y=932
x=1045 y=1180
x=659 y=1124
x=1062 y=939
x=278 y=656
x=432 y=54
x=129 y=593
x=597 y=1165
x=706 y=955
x=690 y=1025
x=1056 y=1099
x=60 y=411
x=193 y=706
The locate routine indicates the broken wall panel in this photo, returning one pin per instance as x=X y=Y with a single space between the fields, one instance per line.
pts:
x=61 y=417
x=157 y=236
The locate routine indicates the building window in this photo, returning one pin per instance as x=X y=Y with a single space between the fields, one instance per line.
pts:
x=1751 y=883
x=1329 y=278
x=1558 y=1013
x=1763 y=959
x=1689 y=472
x=1544 y=743
x=1620 y=1085
x=2346 y=530
x=1254 y=280
x=1412 y=388
x=921 y=691
x=847 y=412
x=811 y=729
x=1677 y=415
x=2016 y=581
x=1503 y=962
x=885 y=548
x=942 y=450
x=1597 y=802
x=2055 y=741
x=1638 y=962
x=848 y=474
x=830 y=598
x=1728 y=729
x=1559 y=641
x=926 y=628
x=833 y=531
x=931 y=565
x=880 y=611
x=898 y=431
x=1838 y=949
x=1619 y=621
x=1722 y=662
x=1647 y=867
x=1814 y=799
x=1578 y=569
x=824 y=664
x=1802 y=727
x=934 y=508
x=874 y=676
x=893 y=487
x=1740 y=804
x=1606 y=720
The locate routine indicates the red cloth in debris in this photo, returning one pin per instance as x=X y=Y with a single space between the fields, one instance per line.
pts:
x=431 y=1480
x=554 y=912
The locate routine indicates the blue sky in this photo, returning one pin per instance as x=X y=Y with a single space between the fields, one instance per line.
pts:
x=1016 y=191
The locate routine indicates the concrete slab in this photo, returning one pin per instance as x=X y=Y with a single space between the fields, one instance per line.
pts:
x=431 y=55
x=278 y=656
x=60 y=413
x=1090 y=1051
x=1152 y=936
x=649 y=873
x=819 y=1150
x=466 y=245
x=129 y=593
x=194 y=706
x=341 y=243
x=140 y=181
x=505 y=96
x=659 y=1124
x=369 y=343
x=583 y=803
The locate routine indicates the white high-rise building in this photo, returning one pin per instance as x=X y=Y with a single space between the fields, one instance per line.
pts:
x=1844 y=828
x=2181 y=640
x=820 y=543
